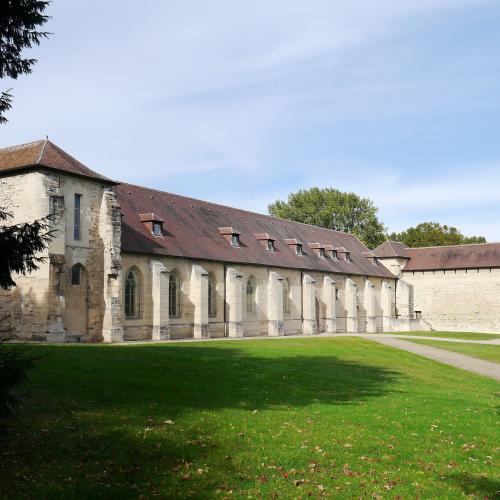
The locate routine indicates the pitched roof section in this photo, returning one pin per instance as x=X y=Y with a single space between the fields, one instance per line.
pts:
x=454 y=257
x=192 y=229
x=391 y=249
x=44 y=154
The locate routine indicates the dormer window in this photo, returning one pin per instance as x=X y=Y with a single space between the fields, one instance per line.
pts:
x=157 y=229
x=153 y=223
x=231 y=235
x=348 y=256
x=335 y=255
x=266 y=241
x=319 y=249
x=296 y=244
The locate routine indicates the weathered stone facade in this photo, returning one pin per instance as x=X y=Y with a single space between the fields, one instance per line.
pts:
x=115 y=273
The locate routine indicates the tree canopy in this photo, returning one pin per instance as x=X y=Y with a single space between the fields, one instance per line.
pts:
x=429 y=234
x=19 y=23
x=333 y=209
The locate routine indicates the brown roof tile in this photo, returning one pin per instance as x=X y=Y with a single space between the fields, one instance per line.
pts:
x=192 y=229
x=391 y=249
x=44 y=154
x=454 y=257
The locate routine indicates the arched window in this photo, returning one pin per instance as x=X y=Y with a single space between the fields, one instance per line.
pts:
x=286 y=296
x=212 y=298
x=250 y=295
x=132 y=294
x=174 y=295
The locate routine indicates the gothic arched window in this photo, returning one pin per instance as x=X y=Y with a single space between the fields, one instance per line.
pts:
x=174 y=295
x=132 y=294
x=212 y=297
x=250 y=295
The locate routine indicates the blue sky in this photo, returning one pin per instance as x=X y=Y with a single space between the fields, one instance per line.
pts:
x=243 y=102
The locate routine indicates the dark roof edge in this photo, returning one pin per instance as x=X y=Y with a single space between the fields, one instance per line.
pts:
x=41 y=166
x=234 y=262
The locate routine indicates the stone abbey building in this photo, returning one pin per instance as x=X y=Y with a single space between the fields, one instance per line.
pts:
x=133 y=263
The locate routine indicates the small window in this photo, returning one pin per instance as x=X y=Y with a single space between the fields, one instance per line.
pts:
x=76 y=271
x=348 y=256
x=286 y=297
x=336 y=294
x=174 y=295
x=235 y=240
x=157 y=229
x=250 y=296
x=298 y=250
x=335 y=255
x=322 y=253
x=212 y=297
x=77 y=217
x=418 y=314
x=270 y=245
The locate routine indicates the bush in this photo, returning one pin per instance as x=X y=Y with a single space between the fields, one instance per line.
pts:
x=14 y=367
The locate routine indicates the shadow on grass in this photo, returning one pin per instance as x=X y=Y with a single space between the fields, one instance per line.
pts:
x=100 y=415
x=482 y=487
x=183 y=378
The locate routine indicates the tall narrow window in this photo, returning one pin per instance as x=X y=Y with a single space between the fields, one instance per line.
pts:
x=286 y=297
x=212 y=300
x=76 y=275
x=77 y=218
x=132 y=295
x=250 y=295
x=174 y=295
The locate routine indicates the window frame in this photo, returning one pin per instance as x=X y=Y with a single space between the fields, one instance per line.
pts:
x=157 y=226
x=132 y=294
x=174 y=299
x=77 y=217
x=235 y=240
x=212 y=296
x=270 y=246
x=78 y=281
x=250 y=296
x=287 y=302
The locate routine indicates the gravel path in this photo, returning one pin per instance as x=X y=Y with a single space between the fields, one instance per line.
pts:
x=474 y=365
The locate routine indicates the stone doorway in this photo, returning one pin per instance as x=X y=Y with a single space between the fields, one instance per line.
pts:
x=76 y=306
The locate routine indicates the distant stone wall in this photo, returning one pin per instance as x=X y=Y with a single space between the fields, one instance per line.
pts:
x=460 y=300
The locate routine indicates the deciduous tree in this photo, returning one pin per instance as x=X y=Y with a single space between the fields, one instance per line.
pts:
x=430 y=234
x=333 y=209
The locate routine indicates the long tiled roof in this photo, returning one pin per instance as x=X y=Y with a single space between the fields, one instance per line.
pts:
x=192 y=229
x=44 y=154
x=481 y=255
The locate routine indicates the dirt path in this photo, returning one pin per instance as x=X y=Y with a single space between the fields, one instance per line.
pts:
x=474 y=365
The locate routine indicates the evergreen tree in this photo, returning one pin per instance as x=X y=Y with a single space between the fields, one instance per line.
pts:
x=19 y=23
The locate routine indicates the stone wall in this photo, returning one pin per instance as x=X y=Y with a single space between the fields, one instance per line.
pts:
x=268 y=317
x=38 y=306
x=459 y=300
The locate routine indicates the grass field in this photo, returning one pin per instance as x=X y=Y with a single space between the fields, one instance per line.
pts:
x=488 y=352
x=454 y=335
x=282 y=418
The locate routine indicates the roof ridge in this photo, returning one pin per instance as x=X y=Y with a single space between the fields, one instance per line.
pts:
x=42 y=151
x=457 y=245
x=239 y=209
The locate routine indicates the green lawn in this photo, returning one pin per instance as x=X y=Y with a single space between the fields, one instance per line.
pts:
x=284 y=418
x=454 y=335
x=489 y=352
